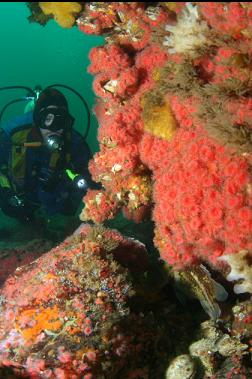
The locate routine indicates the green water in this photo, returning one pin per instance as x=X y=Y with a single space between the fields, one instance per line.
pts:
x=32 y=54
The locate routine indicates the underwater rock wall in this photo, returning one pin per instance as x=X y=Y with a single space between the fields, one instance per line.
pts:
x=174 y=88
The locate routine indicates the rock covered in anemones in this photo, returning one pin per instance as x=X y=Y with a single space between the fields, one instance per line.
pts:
x=66 y=314
x=233 y=19
x=16 y=256
x=175 y=106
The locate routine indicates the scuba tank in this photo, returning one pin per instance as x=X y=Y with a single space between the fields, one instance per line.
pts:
x=32 y=98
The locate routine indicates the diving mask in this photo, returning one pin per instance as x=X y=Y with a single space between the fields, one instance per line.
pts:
x=54 y=118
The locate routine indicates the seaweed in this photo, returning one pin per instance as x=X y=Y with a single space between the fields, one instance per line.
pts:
x=36 y=14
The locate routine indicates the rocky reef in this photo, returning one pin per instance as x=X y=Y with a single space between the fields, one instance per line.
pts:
x=174 y=106
x=68 y=315
x=175 y=127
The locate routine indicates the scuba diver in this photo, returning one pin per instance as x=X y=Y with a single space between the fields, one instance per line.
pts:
x=43 y=160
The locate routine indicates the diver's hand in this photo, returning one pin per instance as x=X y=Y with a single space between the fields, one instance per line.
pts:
x=49 y=179
x=21 y=208
x=17 y=202
x=17 y=206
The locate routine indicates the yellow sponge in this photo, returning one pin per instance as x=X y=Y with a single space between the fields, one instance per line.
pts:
x=62 y=12
x=159 y=120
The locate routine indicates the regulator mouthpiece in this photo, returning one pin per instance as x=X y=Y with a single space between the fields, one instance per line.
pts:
x=54 y=142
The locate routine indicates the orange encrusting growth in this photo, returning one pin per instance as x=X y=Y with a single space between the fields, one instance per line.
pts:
x=31 y=322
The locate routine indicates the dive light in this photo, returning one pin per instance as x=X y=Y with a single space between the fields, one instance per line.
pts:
x=77 y=179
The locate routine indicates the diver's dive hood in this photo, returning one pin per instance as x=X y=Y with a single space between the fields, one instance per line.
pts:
x=50 y=97
x=42 y=99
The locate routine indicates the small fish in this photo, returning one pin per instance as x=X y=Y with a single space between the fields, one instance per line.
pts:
x=197 y=283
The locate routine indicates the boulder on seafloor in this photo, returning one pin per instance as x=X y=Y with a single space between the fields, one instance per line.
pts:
x=66 y=314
